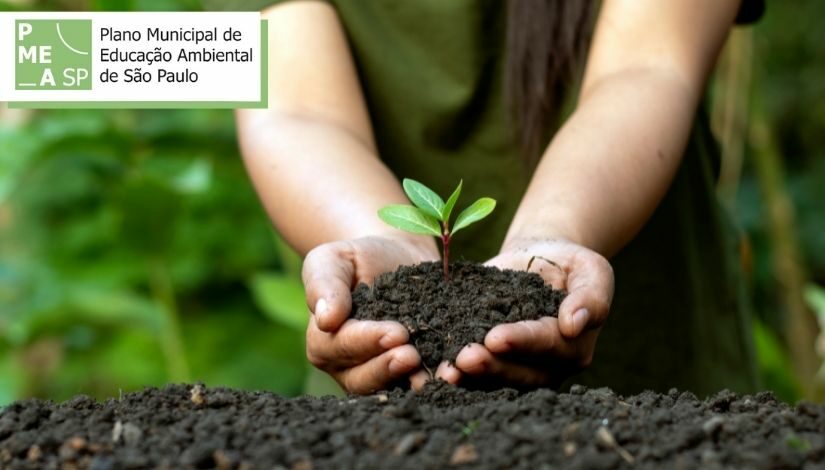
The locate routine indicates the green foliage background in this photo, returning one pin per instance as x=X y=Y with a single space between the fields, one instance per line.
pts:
x=133 y=250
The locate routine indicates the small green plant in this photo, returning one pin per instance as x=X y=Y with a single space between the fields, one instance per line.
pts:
x=797 y=443
x=470 y=428
x=431 y=215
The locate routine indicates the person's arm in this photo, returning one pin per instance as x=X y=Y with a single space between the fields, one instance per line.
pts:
x=604 y=174
x=612 y=162
x=313 y=160
x=312 y=155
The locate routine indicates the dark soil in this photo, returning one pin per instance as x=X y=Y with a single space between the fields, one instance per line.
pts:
x=443 y=317
x=187 y=427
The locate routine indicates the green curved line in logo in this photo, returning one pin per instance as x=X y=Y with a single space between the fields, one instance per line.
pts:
x=60 y=35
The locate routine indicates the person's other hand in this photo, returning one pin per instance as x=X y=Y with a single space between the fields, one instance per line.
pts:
x=543 y=352
x=362 y=356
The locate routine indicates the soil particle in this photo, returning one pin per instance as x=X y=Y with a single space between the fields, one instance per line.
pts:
x=196 y=395
x=443 y=317
x=409 y=443
x=440 y=427
x=464 y=454
x=304 y=464
x=34 y=453
x=128 y=433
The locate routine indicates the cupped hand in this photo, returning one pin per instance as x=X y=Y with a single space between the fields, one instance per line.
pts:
x=543 y=352
x=362 y=356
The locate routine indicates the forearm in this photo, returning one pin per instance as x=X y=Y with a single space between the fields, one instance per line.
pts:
x=317 y=181
x=311 y=155
x=610 y=165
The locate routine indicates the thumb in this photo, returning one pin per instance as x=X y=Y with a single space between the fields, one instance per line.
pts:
x=590 y=292
x=328 y=275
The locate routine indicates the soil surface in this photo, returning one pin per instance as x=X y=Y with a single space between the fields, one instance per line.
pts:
x=443 y=317
x=184 y=426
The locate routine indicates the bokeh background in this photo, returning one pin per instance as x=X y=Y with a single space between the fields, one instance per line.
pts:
x=133 y=250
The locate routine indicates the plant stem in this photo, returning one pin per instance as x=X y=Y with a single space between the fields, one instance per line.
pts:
x=163 y=293
x=445 y=245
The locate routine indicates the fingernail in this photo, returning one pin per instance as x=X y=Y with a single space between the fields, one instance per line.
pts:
x=321 y=308
x=580 y=319
x=448 y=372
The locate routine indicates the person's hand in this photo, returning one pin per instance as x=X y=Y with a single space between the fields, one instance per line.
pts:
x=362 y=356
x=543 y=352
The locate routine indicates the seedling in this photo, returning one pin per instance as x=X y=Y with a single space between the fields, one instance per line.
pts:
x=431 y=215
x=468 y=430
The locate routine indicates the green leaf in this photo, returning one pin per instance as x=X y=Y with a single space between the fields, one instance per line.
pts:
x=409 y=219
x=424 y=198
x=282 y=298
x=291 y=262
x=195 y=179
x=448 y=207
x=815 y=296
x=774 y=364
x=477 y=211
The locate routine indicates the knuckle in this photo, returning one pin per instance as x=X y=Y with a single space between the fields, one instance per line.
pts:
x=316 y=256
x=342 y=380
x=605 y=264
x=599 y=264
x=488 y=364
x=313 y=352
x=346 y=249
x=376 y=378
x=601 y=304
x=310 y=261
x=350 y=383
x=346 y=348
x=316 y=360
x=602 y=307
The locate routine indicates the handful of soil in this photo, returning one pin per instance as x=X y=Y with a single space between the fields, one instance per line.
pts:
x=443 y=317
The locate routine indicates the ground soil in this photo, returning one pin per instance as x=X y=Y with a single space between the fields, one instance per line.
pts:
x=443 y=317
x=183 y=426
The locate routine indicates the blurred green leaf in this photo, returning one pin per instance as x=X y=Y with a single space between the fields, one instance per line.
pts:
x=797 y=443
x=168 y=5
x=282 y=298
x=196 y=178
x=290 y=261
x=9 y=379
x=116 y=307
x=95 y=198
x=815 y=296
x=774 y=364
x=319 y=384
x=148 y=206
x=112 y=5
x=231 y=345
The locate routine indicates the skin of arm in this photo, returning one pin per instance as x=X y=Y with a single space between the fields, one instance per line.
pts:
x=313 y=160
x=602 y=176
x=312 y=155
x=612 y=162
